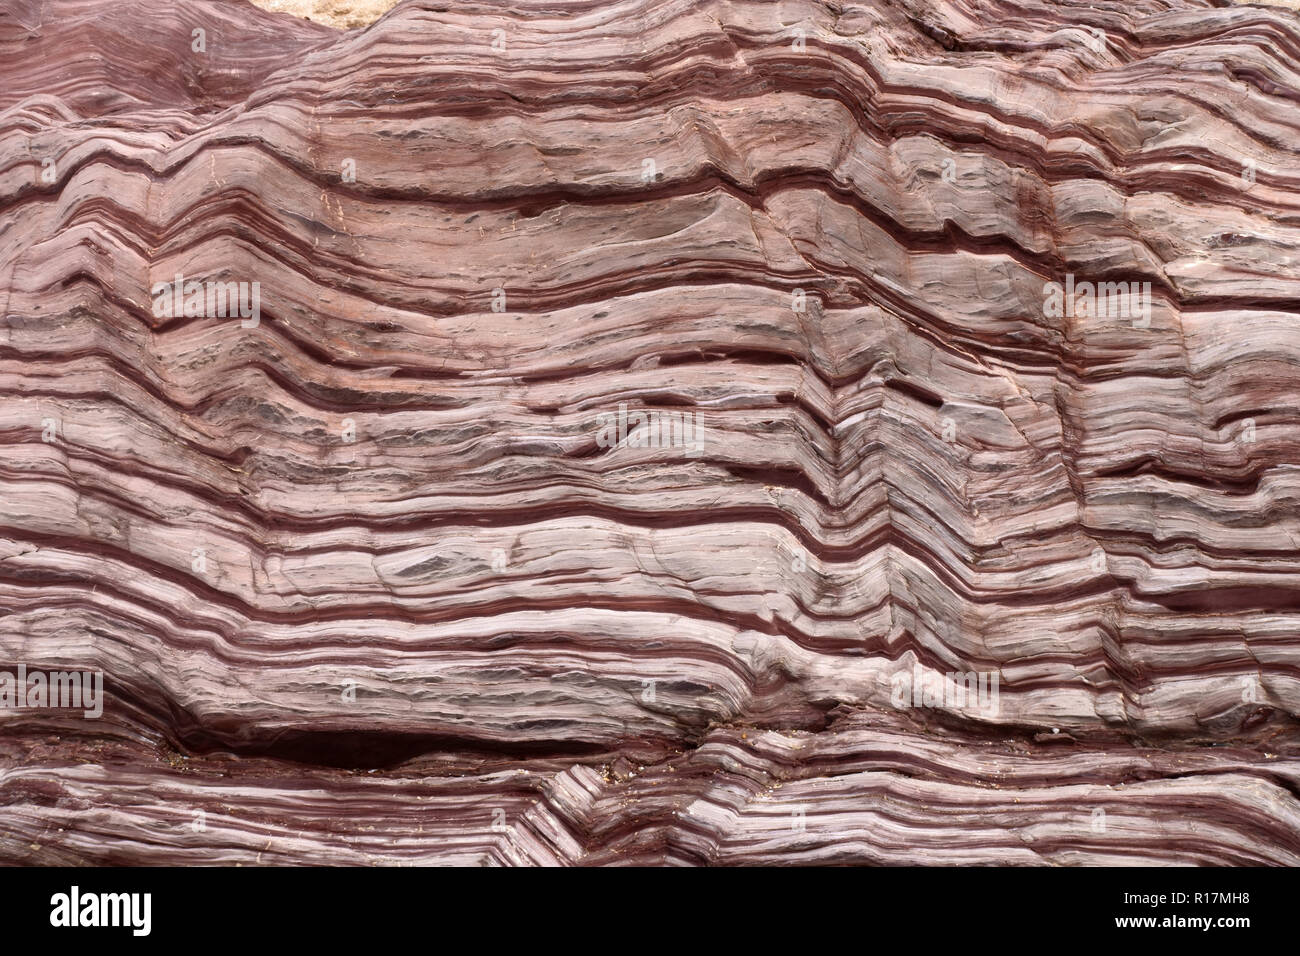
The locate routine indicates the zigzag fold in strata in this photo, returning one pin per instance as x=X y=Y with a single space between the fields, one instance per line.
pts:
x=377 y=530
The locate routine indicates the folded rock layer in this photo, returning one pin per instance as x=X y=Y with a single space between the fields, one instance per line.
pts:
x=656 y=431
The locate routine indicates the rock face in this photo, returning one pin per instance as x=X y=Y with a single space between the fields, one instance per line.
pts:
x=662 y=431
x=344 y=14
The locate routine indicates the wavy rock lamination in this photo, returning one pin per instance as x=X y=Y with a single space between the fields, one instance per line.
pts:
x=654 y=434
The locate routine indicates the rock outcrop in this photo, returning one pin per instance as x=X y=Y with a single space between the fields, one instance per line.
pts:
x=654 y=431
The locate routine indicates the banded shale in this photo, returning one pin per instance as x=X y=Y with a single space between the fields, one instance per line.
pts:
x=363 y=585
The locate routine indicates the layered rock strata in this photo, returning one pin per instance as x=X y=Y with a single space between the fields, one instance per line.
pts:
x=665 y=431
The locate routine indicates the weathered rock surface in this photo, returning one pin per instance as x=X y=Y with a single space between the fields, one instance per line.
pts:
x=344 y=14
x=367 y=581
